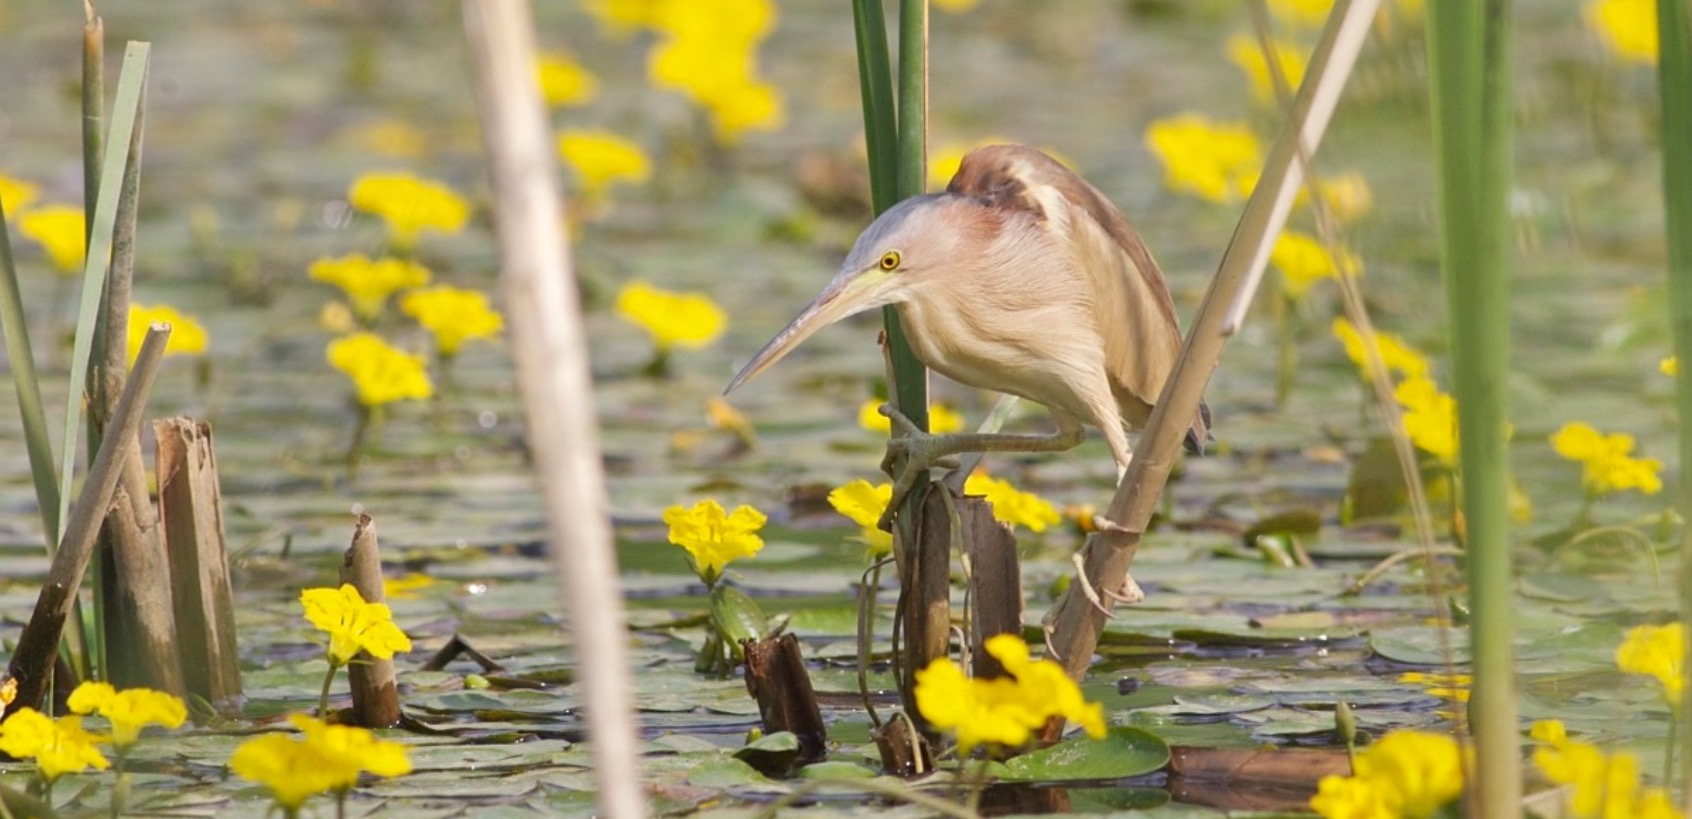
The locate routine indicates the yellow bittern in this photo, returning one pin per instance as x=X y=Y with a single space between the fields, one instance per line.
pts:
x=1020 y=278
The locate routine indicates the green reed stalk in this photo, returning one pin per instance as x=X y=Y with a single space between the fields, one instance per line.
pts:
x=1674 y=36
x=1469 y=58
x=37 y=441
x=909 y=389
x=875 y=83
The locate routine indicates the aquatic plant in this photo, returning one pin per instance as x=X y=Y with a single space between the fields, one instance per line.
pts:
x=600 y=159
x=369 y=282
x=323 y=758
x=16 y=195
x=58 y=746
x=563 y=81
x=941 y=418
x=1601 y=786
x=409 y=205
x=1607 y=465
x=1011 y=506
x=1217 y=162
x=671 y=319
x=354 y=626
x=453 y=316
x=1626 y=27
x=127 y=711
x=1244 y=51
x=187 y=334
x=713 y=537
x=864 y=503
x=61 y=231
x=1397 y=355
x=1658 y=652
x=1303 y=260
x=1430 y=418
x=1002 y=713
x=381 y=373
x=1403 y=775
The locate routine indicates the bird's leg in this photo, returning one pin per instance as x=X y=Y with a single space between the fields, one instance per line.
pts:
x=912 y=452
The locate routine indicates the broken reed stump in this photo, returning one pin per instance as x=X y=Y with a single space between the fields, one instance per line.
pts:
x=924 y=609
x=191 y=526
x=375 y=691
x=135 y=583
x=994 y=579
x=777 y=679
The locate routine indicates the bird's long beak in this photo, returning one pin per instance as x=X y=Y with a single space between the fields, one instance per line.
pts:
x=847 y=294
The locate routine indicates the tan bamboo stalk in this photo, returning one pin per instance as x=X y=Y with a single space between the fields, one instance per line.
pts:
x=550 y=348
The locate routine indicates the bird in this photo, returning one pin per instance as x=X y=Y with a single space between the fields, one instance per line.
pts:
x=1020 y=278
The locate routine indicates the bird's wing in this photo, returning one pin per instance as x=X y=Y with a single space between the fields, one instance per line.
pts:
x=1132 y=303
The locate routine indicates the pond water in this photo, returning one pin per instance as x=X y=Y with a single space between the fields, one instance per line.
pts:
x=261 y=114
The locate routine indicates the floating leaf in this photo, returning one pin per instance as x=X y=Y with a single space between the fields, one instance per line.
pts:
x=1124 y=752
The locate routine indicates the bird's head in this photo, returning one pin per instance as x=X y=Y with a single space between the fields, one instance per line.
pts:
x=901 y=252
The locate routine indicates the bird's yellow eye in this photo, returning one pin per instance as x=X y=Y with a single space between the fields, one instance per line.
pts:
x=890 y=260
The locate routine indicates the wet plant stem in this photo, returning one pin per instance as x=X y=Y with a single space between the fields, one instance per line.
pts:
x=323 y=695
x=1287 y=352
x=976 y=777
x=368 y=417
x=867 y=598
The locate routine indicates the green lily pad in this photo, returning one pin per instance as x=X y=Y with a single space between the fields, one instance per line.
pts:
x=1123 y=752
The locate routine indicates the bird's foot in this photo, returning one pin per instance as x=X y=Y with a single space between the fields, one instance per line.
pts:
x=910 y=454
x=1129 y=594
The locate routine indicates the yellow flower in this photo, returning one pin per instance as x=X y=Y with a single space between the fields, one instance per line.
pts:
x=352 y=624
x=368 y=284
x=1406 y=774
x=600 y=159
x=58 y=746
x=1607 y=466
x=864 y=504
x=1628 y=27
x=1395 y=354
x=955 y=6
x=453 y=315
x=187 y=335
x=564 y=82
x=1669 y=366
x=352 y=748
x=388 y=137
x=941 y=418
x=1602 y=786
x=1430 y=418
x=944 y=160
x=406 y=586
x=714 y=538
x=1213 y=161
x=15 y=195
x=61 y=231
x=1248 y=55
x=1303 y=261
x=1012 y=506
x=337 y=318
x=381 y=373
x=1346 y=196
x=1656 y=651
x=709 y=53
x=689 y=320
x=1445 y=686
x=622 y=16
x=324 y=758
x=409 y=205
x=1302 y=13
x=129 y=710
x=1006 y=710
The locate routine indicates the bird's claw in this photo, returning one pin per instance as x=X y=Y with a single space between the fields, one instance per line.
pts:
x=1128 y=595
x=910 y=454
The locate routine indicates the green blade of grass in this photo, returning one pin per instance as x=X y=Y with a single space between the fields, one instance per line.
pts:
x=1468 y=58
x=126 y=108
x=1674 y=39
x=37 y=440
x=875 y=82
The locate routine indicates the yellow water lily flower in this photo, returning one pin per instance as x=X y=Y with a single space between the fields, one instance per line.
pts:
x=865 y=503
x=563 y=81
x=62 y=232
x=406 y=586
x=1430 y=418
x=58 y=746
x=1217 y=162
x=452 y=315
x=1627 y=27
x=380 y=373
x=409 y=205
x=1600 y=785
x=1303 y=260
x=1445 y=686
x=187 y=335
x=708 y=52
x=1397 y=355
x=394 y=138
x=15 y=195
x=673 y=319
x=1346 y=196
x=1408 y=774
x=1659 y=652
x=1012 y=506
x=1669 y=366
x=1607 y=465
x=369 y=282
x=1302 y=13
x=1005 y=711
x=1246 y=53
x=942 y=419
x=712 y=537
x=353 y=749
x=600 y=159
x=128 y=710
x=352 y=624
x=955 y=6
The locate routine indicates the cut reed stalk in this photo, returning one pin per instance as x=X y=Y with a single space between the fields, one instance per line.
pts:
x=375 y=689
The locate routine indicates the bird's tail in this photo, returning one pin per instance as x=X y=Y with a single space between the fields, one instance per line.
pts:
x=1198 y=435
